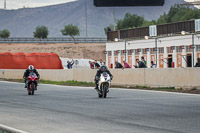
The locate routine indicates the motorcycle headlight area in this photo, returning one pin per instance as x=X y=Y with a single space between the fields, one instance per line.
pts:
x=102 y=79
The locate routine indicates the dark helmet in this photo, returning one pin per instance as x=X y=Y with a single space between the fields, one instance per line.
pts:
x=103 y=68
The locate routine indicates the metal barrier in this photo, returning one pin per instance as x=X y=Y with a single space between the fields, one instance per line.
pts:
x=52 y=40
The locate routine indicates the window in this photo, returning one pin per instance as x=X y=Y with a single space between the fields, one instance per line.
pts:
x=109 y=53
x=189 y=48
x=129 y=52
x=198 y=48
x=144 y=51
x=122 y=52
x=152 y=51
x=160 y=50
x=179 y=49
x=169 y=50
x=115 y=53
x=136 y=51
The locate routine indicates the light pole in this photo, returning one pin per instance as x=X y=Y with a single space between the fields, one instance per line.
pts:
x=86 y=20
x=193 y=49
x=117 y=40
x=125 y=51
x=156 y=49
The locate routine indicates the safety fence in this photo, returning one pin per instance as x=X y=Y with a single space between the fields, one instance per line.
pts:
x=51 y=40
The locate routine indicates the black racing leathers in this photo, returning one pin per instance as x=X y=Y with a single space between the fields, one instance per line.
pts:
x=27 y=72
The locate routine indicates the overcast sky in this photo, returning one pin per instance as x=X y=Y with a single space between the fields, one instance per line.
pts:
x=15 y=4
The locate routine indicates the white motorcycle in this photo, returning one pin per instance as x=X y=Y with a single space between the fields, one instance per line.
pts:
x=104 y=85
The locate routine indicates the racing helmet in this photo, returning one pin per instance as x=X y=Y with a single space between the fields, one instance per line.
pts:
x=103 y=68
x=30 y=67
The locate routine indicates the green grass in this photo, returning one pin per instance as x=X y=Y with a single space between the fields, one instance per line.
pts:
x=163 y=88
x=67 y=83
x=152 y=88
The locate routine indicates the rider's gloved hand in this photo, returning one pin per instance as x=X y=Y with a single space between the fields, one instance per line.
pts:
x=96 y=78
x=111 y=77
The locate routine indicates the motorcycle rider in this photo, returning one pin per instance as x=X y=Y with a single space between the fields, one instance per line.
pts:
x=27 y=72
x=101 y=70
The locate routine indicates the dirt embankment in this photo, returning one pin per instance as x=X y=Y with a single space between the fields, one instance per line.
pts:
x=80 y=51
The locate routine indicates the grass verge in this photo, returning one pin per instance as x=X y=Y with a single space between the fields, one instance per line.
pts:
x=66 y=83
x=91 y=84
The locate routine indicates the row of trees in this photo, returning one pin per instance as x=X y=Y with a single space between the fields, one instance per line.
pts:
x=43 y=32
x=176 y=13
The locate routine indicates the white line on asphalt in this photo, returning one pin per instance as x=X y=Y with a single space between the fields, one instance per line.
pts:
x=10 y=129
x=125 y=89
x=153 y=91
x=11 y=82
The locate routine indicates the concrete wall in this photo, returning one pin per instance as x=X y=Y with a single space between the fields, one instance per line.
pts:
x=180 y=77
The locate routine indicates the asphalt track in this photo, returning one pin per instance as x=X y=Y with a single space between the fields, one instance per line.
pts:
x=59 y=109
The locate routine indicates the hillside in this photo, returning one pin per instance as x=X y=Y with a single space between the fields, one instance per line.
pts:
x=22 y=22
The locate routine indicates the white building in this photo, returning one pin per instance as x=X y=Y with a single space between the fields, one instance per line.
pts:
x=174 y=51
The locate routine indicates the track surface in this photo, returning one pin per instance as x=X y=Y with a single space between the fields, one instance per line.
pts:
x=58 y=109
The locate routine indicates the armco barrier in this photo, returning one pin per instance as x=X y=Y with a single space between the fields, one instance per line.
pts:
x=180 y=77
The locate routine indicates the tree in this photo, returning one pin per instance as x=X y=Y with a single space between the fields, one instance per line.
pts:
x=162 y=19
x=71 y=30
x=179 y=13
x=176 y=13
x=41 y=32
x=148 y=23
x=130 y=21
x=4 y=33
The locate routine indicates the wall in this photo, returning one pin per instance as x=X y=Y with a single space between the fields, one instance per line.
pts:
x=180 y=77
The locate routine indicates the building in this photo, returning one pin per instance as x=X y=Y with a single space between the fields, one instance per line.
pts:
x=167 y=48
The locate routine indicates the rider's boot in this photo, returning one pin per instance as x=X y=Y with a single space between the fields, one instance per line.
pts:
x=26 y=84
x=96 y=88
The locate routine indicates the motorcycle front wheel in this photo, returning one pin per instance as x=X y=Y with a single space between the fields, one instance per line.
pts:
x=105 y=90
x=32 y=88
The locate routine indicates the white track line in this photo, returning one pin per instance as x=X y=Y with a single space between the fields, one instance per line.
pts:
x=125 y=89
x=10 y=129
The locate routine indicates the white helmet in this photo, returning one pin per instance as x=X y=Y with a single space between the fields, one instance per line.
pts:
x=31 y=68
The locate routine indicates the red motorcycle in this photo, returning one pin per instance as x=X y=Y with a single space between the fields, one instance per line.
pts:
x=32 y=83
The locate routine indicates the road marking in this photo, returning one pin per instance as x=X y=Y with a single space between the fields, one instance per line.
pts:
x=10 y=129
x=11 y=82
x=125 y=89
x=153 y=91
